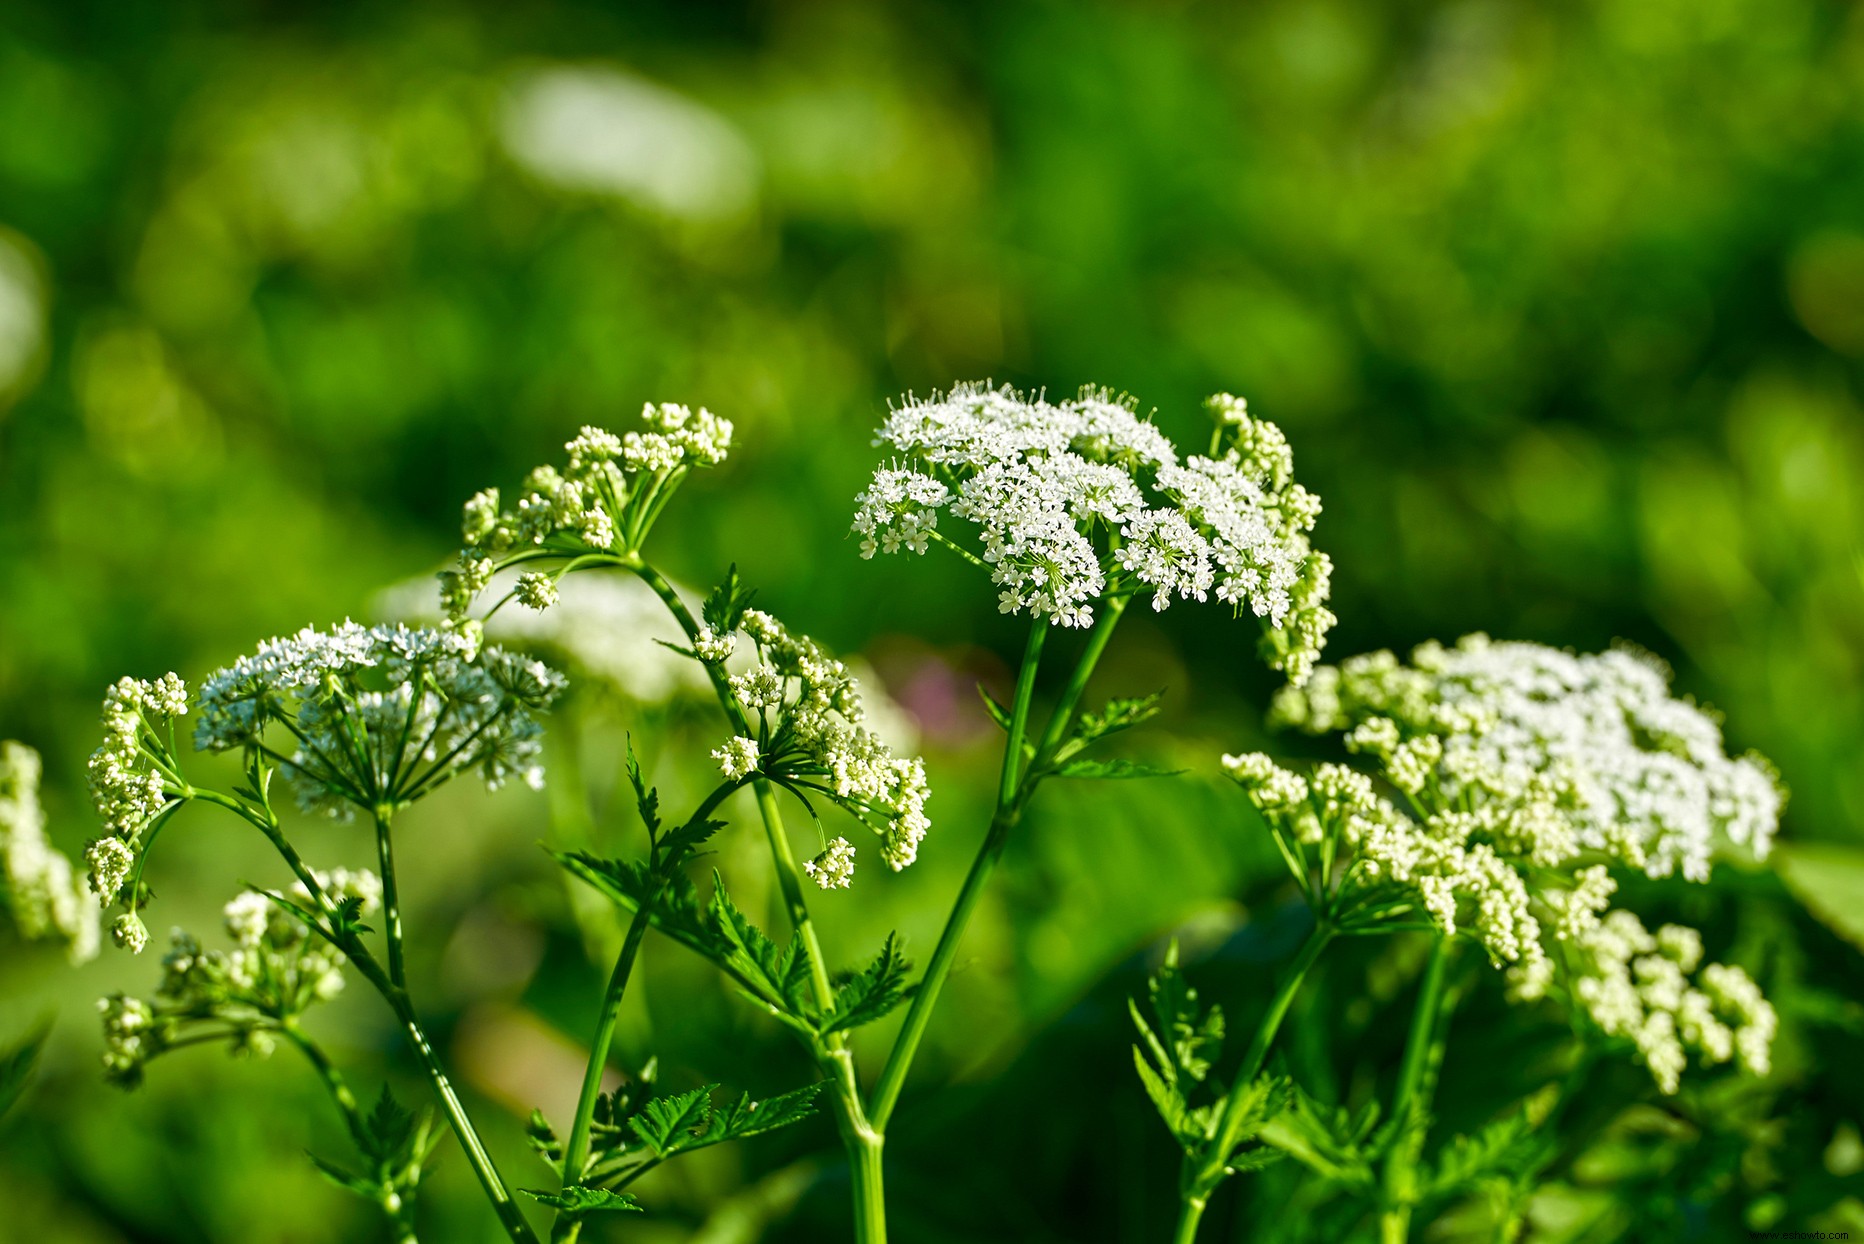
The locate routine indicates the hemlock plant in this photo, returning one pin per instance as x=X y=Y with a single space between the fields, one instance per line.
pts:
x=1498 y=791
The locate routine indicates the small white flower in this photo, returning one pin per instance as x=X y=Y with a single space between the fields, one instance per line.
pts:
x=833 y=869
x=1072 y=499
x=737 y=758
x=128 y=932
x=537 y=591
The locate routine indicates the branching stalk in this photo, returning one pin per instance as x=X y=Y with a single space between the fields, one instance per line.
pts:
x=1202 y=1177
x=1416 y=1085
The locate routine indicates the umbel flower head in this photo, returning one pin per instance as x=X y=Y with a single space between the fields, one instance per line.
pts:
x=133 y=780
x=604 y=500
x=1524 y=773
x=38 y=887
x=805 y=709
x=1079 y=501
x=273 y=973
x=379 y=716
x=1634 y=772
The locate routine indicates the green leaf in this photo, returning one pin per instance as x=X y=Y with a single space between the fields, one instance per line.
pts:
x=1828 y=877
x=871 y=993
x=1247 y=1160
x=724 y=608
x=1081 y=767
x=745 y=1117
x=1166 y=1099
x=1118 y=715
x=614 y=1109
x=1324 y=1140
x=543 y=1139
x=1178 y=1044
x=365 y=1188
x=667 y=1121
x=779 y=977
x=16 y=1065
x=1189 y=1038
x=646 y=798
x=389 y=1127
x=577 y=1200
x=671 y=900
x=689 y=836
x=998 y=713
x=1510 y=1147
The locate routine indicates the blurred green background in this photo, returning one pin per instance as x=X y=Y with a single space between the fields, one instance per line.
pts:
x=1562 y=307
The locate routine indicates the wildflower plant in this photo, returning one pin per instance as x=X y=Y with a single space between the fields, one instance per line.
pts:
x=1493 y=794
x=1503 y=784
x=795 y=723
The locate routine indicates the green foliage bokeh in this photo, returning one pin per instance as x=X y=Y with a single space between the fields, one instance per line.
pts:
x=1561 y=306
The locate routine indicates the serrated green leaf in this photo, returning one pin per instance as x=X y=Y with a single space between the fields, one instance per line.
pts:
x=667 y=1121
x=1119 y=714
x=689 y=836
x=389 y=1128
x=577 y=1200
x=1166 y=1099
x=1190 y=1038
x=1245 y=1161
x=1114 y=769
x=350 y=1182
x=745 y=1117
x=777 y=976
x=1320 y=1138
x=16 y=1065
x=671 y=900
x=873 y=992
x=646 y=798
x=725 y=605
x=1509 y=1147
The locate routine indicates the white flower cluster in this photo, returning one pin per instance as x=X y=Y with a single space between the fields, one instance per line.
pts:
x=127 y=787
x=1478 y=868
x=1638 y=986
x=605 y=498
x=368 y=707
x=833 y=869
x=809 y=719
x=1609 y=760
x=737 y=758
x=274 y=972
x=1449 y=861
x=38 y=886
x=1078 y=500
x=1525 y=771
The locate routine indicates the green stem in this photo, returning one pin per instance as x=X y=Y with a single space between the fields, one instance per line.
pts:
x=1200 y=1178
x=1189 y=1215
x=1111 y=612
x=1416 y=1085
x=1008 y=812
x=400 y=1212
x=397 y=998
x=333 y=1082
x=391 y=898
x=863 y=1139
x=489 y=1179
x=576 y=1154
